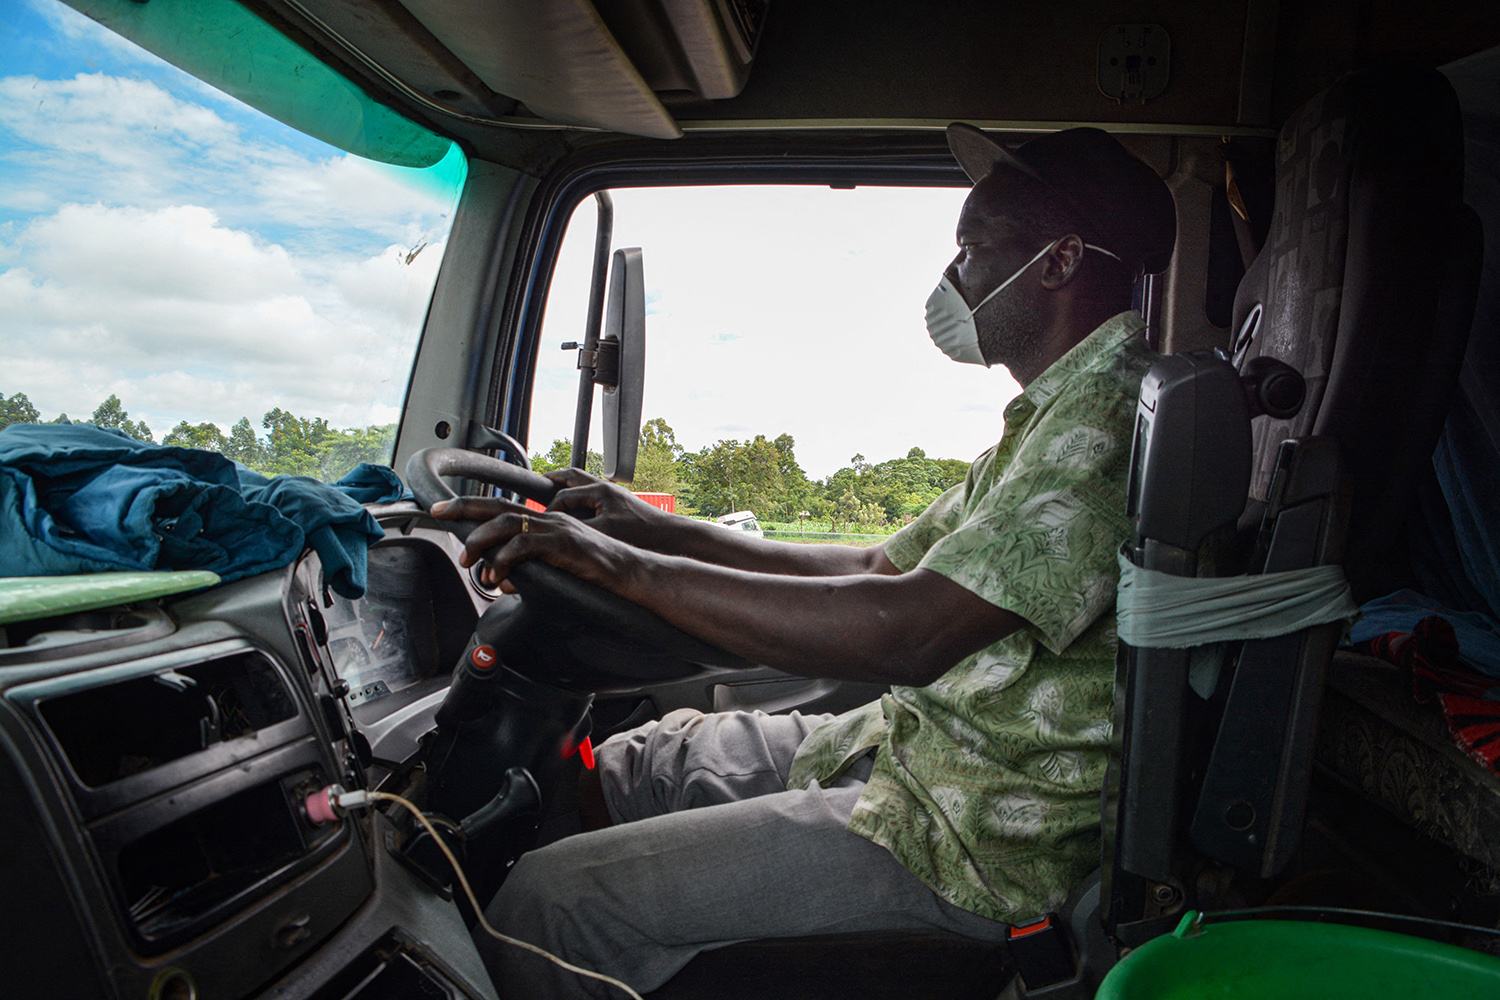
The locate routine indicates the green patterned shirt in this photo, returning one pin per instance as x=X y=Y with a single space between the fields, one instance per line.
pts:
x=986 y=782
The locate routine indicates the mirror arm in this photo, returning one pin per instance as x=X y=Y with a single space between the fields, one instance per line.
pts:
x=607 y=363
x=582 y=416
x=603 y=361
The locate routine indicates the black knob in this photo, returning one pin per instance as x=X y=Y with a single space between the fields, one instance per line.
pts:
x=1273 y=388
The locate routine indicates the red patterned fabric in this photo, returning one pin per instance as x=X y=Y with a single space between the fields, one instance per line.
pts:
x=1470 y=701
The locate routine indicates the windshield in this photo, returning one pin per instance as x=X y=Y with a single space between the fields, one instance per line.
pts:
x=179 y=266
x=788 y=370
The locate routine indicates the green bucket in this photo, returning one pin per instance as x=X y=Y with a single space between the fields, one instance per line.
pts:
x=1293 y=960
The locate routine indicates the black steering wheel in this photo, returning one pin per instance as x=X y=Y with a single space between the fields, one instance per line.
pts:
x=566 y=629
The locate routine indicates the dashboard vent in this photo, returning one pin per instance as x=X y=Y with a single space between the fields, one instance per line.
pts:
x=391 y=969
x=113 y=731
x=181 y=872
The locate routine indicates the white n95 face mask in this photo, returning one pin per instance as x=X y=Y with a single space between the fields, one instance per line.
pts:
x=950 y=321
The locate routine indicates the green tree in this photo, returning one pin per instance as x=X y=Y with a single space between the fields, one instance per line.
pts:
x=656 y=469
x=111 y=413
x=298 y=446
x=205 y=435
x=902 y=487
x=294 y=445
x=711 y=476
x=774 y=482
x=243 y=446
x=556 y=457
x=17 y=410
x=560 y=456
x=341 y=451
x=797 y=491
x=759 y=475
x=850 y=513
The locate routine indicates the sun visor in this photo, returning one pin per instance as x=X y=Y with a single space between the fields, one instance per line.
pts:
x=555 y=56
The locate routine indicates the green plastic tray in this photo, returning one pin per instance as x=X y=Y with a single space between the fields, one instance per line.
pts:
x=23 y=598
x=1293 y=960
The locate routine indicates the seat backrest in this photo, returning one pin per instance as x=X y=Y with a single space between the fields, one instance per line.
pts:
x=1366 y=286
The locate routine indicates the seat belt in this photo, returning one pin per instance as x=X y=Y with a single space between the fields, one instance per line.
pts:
x=1240 y=217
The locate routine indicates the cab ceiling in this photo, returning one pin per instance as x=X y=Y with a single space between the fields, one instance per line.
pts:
x=524 y=82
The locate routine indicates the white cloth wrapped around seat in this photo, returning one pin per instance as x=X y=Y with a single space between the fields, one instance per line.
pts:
x=1157 y=610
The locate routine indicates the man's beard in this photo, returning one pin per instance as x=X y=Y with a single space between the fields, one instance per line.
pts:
x=1013 y=332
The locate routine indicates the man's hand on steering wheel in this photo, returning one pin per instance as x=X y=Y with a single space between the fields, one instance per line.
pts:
x=617 y=512
x=512 y=533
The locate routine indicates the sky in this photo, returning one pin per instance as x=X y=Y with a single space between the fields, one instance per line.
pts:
x=165 y=243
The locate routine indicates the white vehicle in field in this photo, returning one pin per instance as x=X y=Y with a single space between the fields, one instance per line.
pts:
x=742 y=520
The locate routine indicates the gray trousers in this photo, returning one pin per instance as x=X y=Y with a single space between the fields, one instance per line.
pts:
x=709 y=848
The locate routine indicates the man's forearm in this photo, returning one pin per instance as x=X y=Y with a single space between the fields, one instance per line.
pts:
x=876 y=624
x=616 y=513
x=707 y=542
x=903 y=629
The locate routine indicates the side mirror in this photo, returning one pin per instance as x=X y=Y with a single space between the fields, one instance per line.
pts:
x=625 y=338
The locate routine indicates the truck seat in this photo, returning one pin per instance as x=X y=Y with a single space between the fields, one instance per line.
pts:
x=1366 y=285
x=1376 y=742
x=1365 y=288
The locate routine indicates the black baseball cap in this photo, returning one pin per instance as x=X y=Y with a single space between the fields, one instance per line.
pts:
x=1119 y=200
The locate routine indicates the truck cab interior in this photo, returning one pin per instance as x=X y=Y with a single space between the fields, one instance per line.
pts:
x=1336 y=171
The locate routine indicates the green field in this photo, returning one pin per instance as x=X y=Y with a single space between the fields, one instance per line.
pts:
x=826 y=538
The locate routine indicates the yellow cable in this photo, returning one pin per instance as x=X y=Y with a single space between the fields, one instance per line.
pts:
x=464 y=881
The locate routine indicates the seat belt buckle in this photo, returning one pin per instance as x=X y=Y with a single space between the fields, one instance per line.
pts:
x=1041 y=952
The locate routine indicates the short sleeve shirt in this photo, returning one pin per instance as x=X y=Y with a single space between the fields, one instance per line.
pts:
x=986 y=782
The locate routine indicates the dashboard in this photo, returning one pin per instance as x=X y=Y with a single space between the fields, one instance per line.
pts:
x=385 y=641
x=154 y=760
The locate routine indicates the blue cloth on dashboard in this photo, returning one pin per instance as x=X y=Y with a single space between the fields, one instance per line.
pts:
x=76 y=498
x=369 y=483
x=337 y=526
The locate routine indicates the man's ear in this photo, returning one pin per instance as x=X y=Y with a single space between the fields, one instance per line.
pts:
x=1060 y=264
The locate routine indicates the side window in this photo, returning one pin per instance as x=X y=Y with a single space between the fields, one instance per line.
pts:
x=179 y=266
x=788 y=369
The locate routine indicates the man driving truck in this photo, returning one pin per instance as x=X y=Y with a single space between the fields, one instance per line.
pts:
x=968 y=796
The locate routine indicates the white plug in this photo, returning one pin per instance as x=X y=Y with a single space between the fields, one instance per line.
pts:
x=357 y=799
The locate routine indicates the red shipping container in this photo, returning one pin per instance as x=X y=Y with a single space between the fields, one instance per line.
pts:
x=666 y=501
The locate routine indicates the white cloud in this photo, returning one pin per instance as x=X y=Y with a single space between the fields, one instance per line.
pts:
x=131 y=142
x=83 y=33
x=184 y=318
x=178 y=253
x=386 y=285
x=332 y=192
x=104 y=117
